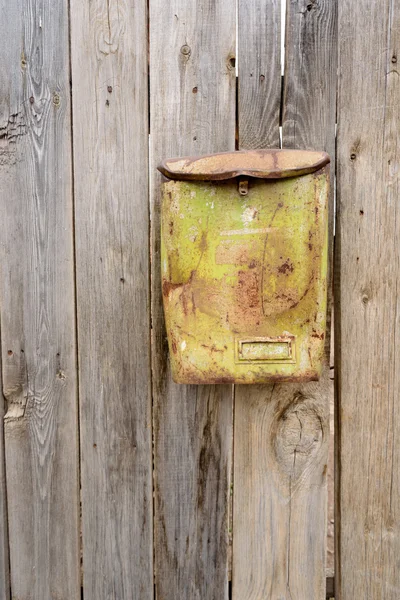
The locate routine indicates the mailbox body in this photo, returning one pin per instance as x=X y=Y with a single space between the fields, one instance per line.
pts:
x=244 y=275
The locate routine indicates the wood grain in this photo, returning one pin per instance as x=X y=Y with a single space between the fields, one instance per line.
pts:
x=4 y=554
x=192 y=83
x=279 y=472
x=282 y=431
x=309 y=98
x=37 y=301
x=259 y=84
x=110 y=109
x=367 y=327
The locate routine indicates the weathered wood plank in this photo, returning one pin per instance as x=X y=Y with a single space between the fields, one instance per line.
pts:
x=368 y=311
x=259 y=61
x=309 y=99
x=110 y=119
x=279 y=472
x=192 y=45
x=282 y=431
x=37 y=301
x=4 y=554
x=254 y=542
x=308 y=121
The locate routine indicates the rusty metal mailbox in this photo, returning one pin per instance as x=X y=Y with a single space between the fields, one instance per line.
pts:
x=244 y=264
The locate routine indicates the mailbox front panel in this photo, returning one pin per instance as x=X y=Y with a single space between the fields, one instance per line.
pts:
x=244 y=278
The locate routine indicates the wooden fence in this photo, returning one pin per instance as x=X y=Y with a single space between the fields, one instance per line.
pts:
x=116 y=483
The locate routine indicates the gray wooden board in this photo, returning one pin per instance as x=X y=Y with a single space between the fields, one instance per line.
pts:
x=4 y=554
x=279 y=478
x=37 y=301
x=259 y=61
x=192 y=110
x=282 y=431
x=110 y=123
x=368 y=302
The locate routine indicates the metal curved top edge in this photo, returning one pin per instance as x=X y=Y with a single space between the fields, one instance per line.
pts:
x=262 y=164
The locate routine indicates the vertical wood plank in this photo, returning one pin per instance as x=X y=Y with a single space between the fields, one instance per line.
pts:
x=309 y=99
x=255 y=536
x=4 y=554
x=37 y=301
x=308 y=121
x=192 y=83
x=368 y=310
x=282 y=431
x=259 y=62
x=110 y=118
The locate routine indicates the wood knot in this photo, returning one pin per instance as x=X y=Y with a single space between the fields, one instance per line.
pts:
x=298 y=436
x=186 y=50
x=366 y=295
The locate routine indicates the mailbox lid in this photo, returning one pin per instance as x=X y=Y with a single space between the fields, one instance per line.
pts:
x=261 y=164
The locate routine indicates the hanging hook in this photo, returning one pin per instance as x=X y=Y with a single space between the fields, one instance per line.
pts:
x=243 y=187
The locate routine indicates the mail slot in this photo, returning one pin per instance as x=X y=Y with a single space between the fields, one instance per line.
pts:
x=244 y=265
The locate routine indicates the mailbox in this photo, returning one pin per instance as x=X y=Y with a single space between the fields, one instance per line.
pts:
x=244 y=265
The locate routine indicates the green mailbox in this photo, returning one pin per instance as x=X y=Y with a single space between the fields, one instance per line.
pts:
x=244 y=265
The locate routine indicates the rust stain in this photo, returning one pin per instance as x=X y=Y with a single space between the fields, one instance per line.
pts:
x=286 y=267
x=232 y=252
x=319 y=336
x=262 y=164
x=209 y=377
x=168 y=287
x=248 y=290
x=185 y=304
x=213 y=348
x=247 y=307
